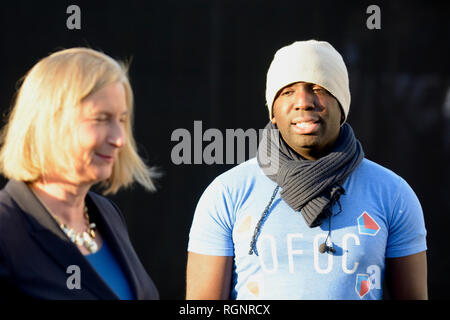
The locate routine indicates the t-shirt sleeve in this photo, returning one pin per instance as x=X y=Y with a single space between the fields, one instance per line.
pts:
x=212 y=226
x=407 y=233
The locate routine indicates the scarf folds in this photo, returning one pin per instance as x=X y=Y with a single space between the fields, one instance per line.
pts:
x=308 y=186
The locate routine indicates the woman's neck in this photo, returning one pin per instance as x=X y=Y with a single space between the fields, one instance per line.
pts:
x=65 y=201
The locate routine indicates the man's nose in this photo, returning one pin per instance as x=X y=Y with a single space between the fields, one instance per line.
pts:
x=304 y=100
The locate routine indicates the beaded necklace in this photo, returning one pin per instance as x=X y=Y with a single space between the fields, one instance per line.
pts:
x=85 y=238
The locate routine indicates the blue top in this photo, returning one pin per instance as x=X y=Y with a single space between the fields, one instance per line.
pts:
x=381 y=218
x=107 y=266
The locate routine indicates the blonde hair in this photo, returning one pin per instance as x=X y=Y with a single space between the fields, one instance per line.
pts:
x=39 y=133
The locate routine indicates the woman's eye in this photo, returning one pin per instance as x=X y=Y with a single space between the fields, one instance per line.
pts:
x=100 y=119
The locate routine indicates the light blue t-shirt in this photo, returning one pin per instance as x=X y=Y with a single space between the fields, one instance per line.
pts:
x=107 y=266
x=381 y=218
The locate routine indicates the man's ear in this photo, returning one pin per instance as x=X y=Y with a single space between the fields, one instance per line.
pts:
x=273 y=117
x=342 y=113
x=273 y=120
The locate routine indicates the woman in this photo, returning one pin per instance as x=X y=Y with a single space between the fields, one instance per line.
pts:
x=69 y=129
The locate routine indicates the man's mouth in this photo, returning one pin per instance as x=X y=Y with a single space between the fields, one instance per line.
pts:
x=306 y=125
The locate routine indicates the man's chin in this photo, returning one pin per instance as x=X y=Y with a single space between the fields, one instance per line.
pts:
x=306 y=142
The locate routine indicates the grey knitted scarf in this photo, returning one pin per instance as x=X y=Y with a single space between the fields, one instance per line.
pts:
x=310 y=186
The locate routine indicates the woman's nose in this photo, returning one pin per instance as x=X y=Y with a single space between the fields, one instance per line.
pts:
x=117 y=136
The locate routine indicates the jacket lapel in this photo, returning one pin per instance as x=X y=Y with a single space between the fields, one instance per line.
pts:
x=115 y=233
x=47 y=233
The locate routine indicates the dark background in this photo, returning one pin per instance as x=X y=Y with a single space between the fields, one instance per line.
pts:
x=207 y=60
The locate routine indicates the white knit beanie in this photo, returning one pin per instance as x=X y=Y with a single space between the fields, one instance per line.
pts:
x=309 y=61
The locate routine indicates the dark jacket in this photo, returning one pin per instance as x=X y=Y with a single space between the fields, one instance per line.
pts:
x=35 y=253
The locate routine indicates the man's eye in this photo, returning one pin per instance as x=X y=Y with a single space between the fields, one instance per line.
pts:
x=319 y=90
x=287 y=92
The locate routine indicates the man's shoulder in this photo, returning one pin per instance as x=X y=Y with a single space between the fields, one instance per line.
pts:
x=241 y=177
x=242 y=173
x=245 y=168
x=378 y=176
x=377 y=171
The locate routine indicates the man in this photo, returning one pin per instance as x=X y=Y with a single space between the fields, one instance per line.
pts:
x=310 y=217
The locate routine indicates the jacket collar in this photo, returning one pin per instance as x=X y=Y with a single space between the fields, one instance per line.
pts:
x=54 y=241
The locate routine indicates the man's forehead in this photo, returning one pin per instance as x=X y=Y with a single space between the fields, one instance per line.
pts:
x=301 y=83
